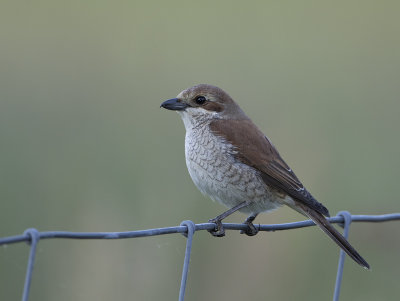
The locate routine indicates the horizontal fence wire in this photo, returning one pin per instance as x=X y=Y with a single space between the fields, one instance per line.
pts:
x=187 y=228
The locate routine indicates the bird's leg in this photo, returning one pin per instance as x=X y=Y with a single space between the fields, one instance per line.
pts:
x=219 y=230
x=251 y=230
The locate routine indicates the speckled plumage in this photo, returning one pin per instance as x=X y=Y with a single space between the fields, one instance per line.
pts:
x=218 y=174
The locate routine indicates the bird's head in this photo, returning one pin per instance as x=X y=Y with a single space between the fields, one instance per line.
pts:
x=203 y=103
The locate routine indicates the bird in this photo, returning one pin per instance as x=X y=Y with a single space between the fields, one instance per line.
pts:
x=231 y=161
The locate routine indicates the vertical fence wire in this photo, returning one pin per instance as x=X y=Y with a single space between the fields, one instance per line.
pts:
x=33 y=235
x=189 y=239
x=339 y=276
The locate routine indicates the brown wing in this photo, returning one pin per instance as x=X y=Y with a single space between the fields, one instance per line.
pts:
x=255 y=149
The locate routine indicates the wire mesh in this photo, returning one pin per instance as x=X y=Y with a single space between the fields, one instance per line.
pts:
x=188 y=229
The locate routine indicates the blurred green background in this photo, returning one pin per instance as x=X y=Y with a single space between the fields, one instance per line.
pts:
x=85 y=146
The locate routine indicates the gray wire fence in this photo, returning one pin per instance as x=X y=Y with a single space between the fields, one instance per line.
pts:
x=187 y=228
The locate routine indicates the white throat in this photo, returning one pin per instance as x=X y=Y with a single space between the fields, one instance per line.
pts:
x=196 y=117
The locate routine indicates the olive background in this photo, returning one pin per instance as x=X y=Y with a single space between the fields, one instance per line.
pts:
x=85 y=146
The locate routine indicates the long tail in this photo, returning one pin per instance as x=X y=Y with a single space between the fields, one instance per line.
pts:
x=321 y=221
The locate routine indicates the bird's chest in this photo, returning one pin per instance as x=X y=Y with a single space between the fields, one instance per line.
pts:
x=215 y=171
x=208 y=159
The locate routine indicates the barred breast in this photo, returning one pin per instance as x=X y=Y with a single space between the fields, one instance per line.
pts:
x=216 y=173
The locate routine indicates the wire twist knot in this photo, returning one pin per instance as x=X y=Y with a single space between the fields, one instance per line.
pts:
x=191 y=227
x=33 y=235
x=347 y=218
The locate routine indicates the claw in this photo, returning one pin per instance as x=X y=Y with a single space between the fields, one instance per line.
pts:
x=219 y=230
x=251 y=230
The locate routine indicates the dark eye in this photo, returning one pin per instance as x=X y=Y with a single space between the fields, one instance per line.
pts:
x=200 y=100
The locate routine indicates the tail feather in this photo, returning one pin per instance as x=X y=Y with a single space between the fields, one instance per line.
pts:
x=338 y=238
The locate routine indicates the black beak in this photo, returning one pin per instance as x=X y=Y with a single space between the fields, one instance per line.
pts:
x=174 y=104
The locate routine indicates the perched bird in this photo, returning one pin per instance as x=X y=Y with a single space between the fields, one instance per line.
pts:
x=230 y=160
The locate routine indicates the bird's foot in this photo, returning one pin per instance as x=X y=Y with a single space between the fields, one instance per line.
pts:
x=251 y=229
x=219 y=230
